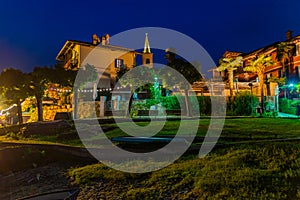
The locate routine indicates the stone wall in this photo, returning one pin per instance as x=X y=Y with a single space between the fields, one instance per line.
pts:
x=50 y=111
x=88 y=109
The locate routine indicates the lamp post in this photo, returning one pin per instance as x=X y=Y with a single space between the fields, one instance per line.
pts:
x=251 y=85
x=291 y=85
x=277 y=97
x=287 y=89
x=284 y=91
x=236 y=84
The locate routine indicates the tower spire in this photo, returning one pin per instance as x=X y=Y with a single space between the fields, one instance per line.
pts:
x=146 y=45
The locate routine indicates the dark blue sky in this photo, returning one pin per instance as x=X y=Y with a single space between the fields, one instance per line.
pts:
x=32 y=32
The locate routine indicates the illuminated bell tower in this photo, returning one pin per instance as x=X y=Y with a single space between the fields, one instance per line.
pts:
x=147 y=56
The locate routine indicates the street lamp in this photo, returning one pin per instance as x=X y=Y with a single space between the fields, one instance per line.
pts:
x=287 y=89
x=236 y=84
x=291 y=86
x=250 y=85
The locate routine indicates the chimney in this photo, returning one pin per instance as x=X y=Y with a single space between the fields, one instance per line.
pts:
x=289 y=35
x=107 y=38
x=95 y=39
x=103 y=40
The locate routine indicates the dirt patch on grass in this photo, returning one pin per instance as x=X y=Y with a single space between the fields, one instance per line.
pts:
x=34 y=169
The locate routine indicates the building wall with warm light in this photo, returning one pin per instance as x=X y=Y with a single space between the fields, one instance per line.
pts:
x=106 y=58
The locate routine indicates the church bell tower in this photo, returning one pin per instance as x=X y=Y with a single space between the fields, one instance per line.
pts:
x=147 y=56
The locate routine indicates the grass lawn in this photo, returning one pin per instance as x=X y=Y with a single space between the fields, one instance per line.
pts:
x=257 y=171
x=239 y=129
x=61 y=138
x=265 y=170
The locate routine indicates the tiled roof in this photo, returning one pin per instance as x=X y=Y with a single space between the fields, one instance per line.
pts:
x=261 y=50
x=69 y=44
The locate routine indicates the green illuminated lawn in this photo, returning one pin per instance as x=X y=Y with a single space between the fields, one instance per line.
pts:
x=265 y=170
x=257 y=171
x=269 y=169
x=239 y=129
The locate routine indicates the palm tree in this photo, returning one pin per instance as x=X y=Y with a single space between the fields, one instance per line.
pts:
x=258 y=65
x=283 y=54
x=229 y=65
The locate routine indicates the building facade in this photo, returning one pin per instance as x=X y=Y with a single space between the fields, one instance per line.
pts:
x=108 y=60
x=282 y=72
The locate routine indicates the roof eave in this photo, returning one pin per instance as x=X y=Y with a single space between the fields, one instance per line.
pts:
x=63 y=50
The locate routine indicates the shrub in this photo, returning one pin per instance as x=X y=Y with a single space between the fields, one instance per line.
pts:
x=138 y=105
x=173 y=102
x=287 y=106
x=204 y=105
x=244 y=103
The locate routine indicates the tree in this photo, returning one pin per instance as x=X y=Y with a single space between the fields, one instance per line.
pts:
x=39 y=78
x=297 y=87
x=283 y=54
x=63 y=77
x=279 y=81
x=84 y=75
x=2 y=101
x=229 y=65
x=15 y=88
x=258 y=65
x=187 y=70
x=66 y=78
x=135 y=80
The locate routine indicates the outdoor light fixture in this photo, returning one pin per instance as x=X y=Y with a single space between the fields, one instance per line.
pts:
x=250 y=85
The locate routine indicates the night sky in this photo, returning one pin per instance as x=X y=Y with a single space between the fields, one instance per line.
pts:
x=32 y=32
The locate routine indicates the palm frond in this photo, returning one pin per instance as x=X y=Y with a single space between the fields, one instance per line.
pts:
x=230 y=63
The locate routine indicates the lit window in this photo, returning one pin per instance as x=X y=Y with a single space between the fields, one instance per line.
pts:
x=74 y=57
x=119 y=63
x=297 y=49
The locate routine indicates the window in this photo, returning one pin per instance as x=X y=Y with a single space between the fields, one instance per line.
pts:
x=294 y=50
x=147 y=61
x=119 y=63
x=279 y=73
x=297 y=49
x=74 y=57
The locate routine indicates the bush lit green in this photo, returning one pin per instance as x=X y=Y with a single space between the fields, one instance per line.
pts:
x=287 y=106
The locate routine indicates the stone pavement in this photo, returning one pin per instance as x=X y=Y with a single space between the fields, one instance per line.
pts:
x=285 y=115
